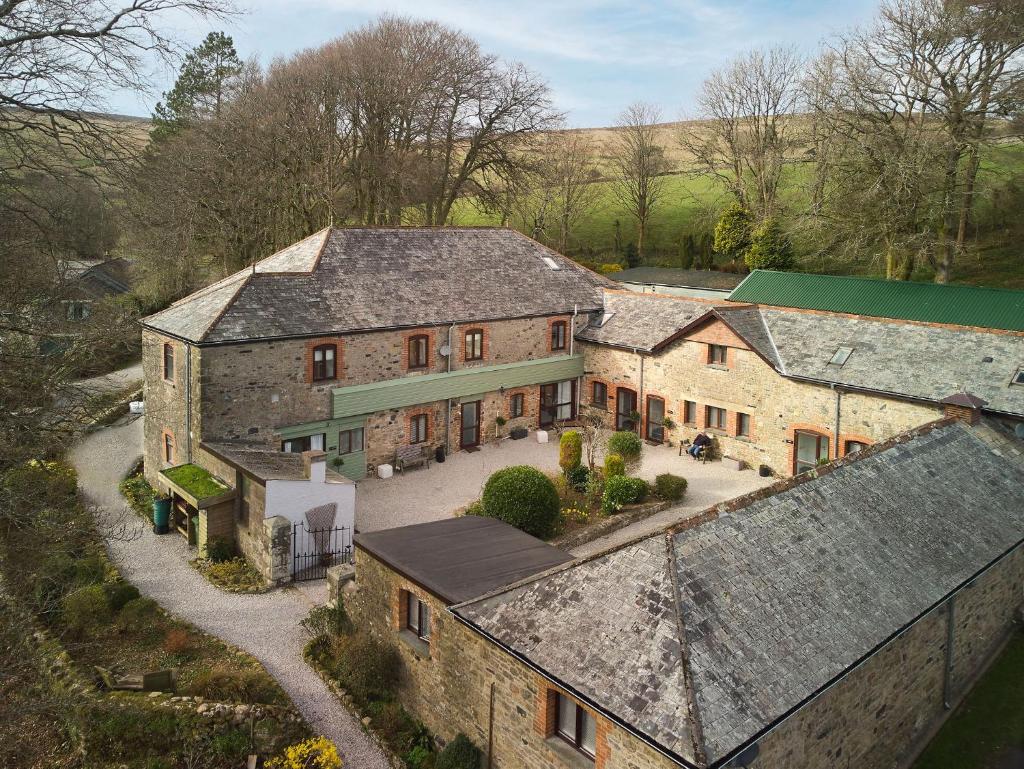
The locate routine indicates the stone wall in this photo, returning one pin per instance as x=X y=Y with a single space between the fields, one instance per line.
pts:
x=746 y=384
x=165 y=402
x=873 y=718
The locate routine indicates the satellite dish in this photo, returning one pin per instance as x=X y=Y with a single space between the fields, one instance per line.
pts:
x=444 y=351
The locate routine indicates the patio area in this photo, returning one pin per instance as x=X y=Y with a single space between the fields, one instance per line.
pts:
x=430 y=494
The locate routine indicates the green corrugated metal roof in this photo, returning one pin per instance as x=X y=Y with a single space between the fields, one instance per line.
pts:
x=410 y=391
x=929 y=302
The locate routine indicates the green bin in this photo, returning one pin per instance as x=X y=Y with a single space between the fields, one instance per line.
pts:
x=161 y=515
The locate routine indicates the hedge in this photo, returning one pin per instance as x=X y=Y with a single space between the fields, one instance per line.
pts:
x=620 y=491
x=523 y=497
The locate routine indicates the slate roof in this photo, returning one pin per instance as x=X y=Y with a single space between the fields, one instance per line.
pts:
x=458 y=558
x=343 y=280
x=265 y=464
x=788 y=589
x=909 y=360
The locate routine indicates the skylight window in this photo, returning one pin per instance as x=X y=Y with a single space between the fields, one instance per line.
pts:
x=841 y=356
x=551 y=263
x=1018 y=378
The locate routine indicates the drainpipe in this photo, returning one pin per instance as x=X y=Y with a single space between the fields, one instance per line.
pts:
x=188 y=402
x=839 y=399
x=947 y=673
x=572 y=350
x=640 y=395
x=448 y=414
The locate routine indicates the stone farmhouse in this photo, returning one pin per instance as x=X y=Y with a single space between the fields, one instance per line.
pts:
x=831 y=619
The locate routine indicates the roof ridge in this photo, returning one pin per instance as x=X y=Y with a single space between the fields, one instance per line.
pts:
x=227 y=306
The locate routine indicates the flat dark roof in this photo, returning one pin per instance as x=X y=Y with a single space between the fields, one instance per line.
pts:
x=461 y=558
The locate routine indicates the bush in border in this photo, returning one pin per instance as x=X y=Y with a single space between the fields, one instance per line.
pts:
x=523 y=497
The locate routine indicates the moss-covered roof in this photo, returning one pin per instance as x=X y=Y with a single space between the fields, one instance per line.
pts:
x=195 y=480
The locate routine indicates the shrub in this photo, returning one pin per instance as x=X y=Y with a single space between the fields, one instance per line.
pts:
x=177 y=641
x=769 y=249
x=620 y=491
x=595 y=489
x=417 y=758
x=670 y=487
x=120 y=593
x=367 y=668
x=626 y=444
x=460 y=753
x=234 y=574
x=732 y=232
x=523 y=497
x=40 y=484
x=137 y=615
x=219 y=549
x=85 y=609
x=140 y=495
x=225 y=684
x=327 y=620
x=570 y=451
x=614 y=466
x=314 y=753
x=577 y=477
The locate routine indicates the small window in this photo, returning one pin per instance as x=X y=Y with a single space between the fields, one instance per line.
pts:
x=324 y=362
x=840 y=356
x=742 y=425
x=576 y=726
x=558 y=329
x=1018 y=378
x=689 y=413
x=716 y=417
x=168 y=362
x=599 y=395
x=474 y=344
x=418 y=429
x=417 y=617
x=718 y=354
x=515 y=406
x=852 y=447
x=305 y=443
x=419 y=351
x=350 y=441
x=168 y=448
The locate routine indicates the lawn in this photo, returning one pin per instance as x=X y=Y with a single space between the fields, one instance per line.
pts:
x=987 y=730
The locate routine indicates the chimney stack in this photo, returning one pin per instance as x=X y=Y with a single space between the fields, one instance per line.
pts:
x=964 y=406
x=314 y=466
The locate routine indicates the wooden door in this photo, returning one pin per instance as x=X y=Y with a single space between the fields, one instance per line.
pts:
x=469 y=435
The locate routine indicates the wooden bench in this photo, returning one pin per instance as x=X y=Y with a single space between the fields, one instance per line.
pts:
x=411 y=456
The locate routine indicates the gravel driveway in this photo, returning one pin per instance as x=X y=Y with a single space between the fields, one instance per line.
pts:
x=266 y=626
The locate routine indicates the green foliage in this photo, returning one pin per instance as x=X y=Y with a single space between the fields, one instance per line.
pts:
x=367 y=668
x=418 y=757
x=118 y=732
x=670 y=487
x=460 y=753
x=327 y=620
x=39 y=484
x=120 y=593
x=687 y=251
x=235 y=575
x=614 y=465
x=140 y=495
x=769 y=249
x=219 y=550
x=196 y=480
x=733 y=231
x=225 y=684
x=84 y=609
x=626 y=444
x=620 y=491
x=577 y=477
x=138 y=615
x=632 y=255
x=523 y=497
x=570 y=450
x=475 y=508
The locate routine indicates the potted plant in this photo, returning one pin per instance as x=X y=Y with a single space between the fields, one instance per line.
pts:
x=668 y=423
x=499 y=422
x=634 y=417
x=161 y=512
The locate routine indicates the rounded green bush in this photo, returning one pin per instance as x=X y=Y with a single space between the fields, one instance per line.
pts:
x=570 y=450
x=120 y=593
x=577 y=477
x=614 y=465
x=626 y=444
x=523 y=497
x=84 y=609
x=460 y=753
x=670 y=487
x=621 y=491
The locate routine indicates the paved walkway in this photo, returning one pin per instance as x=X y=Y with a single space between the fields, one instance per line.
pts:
x=266 y=626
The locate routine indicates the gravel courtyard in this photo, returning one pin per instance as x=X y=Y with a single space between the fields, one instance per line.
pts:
x=430 y=494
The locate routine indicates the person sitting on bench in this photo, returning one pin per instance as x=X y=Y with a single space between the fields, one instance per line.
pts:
x=698 y=444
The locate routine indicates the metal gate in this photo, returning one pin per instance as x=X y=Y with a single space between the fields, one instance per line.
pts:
x=317 y=549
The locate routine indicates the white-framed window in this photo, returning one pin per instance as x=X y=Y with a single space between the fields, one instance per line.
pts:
x=305 y=443
x=417 y=617
x=716 y=417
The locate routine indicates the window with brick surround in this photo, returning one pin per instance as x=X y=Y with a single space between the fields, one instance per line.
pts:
x=852 y=447
x=575 y=725
x=168 y=362
x=417 y=616
x=599 y=395
x=515 y=405
x=418 y=428
x=742 y=425
x=718 y=354
x=419 y=351
x=324 y=362
x=474 y=348
x=716 y=417
x=168 y=448
x=558 y=335
x=689 y=413
x=655 y=419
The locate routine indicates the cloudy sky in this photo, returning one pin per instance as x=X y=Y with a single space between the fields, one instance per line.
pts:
x=598 y=55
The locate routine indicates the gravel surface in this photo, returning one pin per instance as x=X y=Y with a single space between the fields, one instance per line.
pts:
x=436 y=492
x=266 y=626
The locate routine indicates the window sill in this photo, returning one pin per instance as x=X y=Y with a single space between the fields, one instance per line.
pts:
x=716 y=366
x=598 y=406
x=568 y=754
x=419 y=647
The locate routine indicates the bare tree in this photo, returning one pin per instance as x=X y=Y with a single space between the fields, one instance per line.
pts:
x=572 y=172
x=640 y=164
x=748 y=127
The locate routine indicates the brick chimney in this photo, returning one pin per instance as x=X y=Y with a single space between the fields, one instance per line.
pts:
x=314 y=465
x=964 y=406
